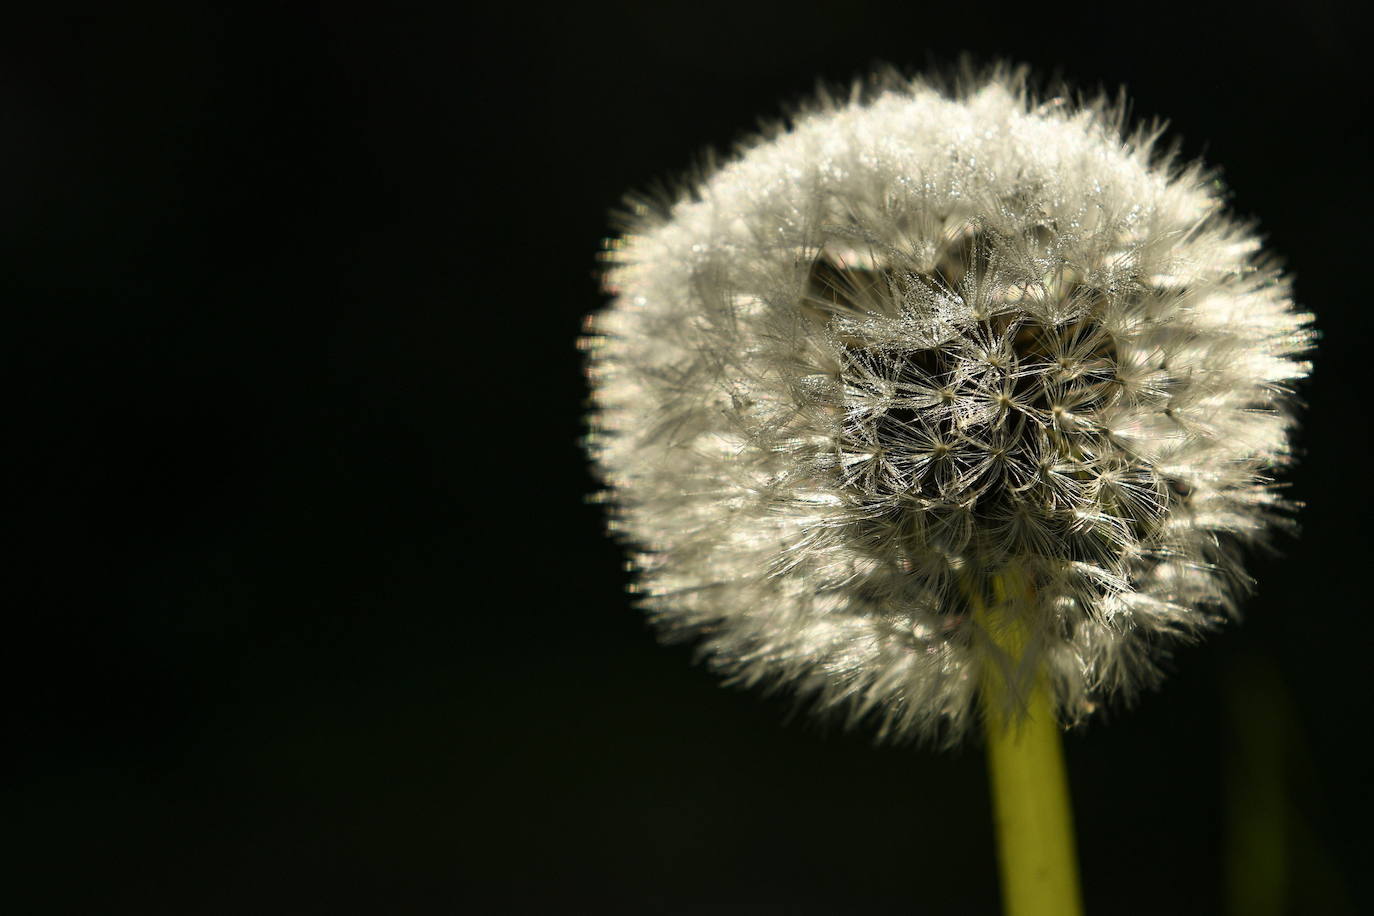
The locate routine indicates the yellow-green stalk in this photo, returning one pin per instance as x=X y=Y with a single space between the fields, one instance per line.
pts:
x=1030 y=790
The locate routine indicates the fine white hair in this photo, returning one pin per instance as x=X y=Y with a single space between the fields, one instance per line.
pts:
x=917 y=342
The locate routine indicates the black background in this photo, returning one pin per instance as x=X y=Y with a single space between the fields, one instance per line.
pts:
x=307 y=613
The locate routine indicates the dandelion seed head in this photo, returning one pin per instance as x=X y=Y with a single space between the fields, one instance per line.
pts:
x=914 y=340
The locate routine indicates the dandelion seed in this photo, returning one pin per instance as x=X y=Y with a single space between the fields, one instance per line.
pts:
x=914 y=346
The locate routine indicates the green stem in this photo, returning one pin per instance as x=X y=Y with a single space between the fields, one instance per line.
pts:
x=1030 y=789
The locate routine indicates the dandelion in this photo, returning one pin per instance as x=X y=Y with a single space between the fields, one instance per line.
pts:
x=928 y=397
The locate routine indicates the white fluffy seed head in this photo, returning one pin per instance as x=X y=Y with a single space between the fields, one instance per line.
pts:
x=916 y=345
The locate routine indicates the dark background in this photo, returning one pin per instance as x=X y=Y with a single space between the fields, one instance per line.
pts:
x=307 y=613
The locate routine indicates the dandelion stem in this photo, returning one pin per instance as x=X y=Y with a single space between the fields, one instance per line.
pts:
x=1030 y=789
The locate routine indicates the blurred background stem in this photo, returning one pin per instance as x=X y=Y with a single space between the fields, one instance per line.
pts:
x=1257 y=873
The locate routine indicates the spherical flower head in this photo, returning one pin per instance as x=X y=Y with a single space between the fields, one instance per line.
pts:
x=919 y=353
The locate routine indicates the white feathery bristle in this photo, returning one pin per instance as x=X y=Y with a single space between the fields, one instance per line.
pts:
x=912 y=341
